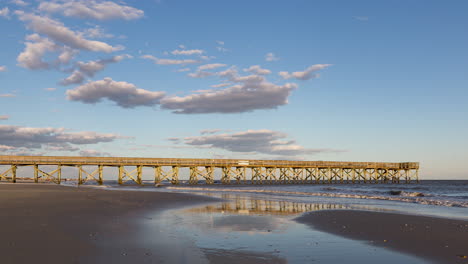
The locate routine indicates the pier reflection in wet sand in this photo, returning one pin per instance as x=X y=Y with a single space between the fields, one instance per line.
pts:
x=238 y=204
x=249 y=229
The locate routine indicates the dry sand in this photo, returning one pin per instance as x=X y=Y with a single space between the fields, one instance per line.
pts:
x=438 y=240
x=56 y=224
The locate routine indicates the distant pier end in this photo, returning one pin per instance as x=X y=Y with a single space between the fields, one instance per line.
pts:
x=211 y=171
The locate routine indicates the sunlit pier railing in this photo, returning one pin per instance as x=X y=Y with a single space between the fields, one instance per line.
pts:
x=230 y=170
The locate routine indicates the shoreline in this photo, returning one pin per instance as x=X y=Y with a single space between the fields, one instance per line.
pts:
x=61 y=224
x=439 y=240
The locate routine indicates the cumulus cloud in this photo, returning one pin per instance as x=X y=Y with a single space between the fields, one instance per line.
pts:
x=4 y=117
x=19 y=2
x=96 y=32
x=59 y=33
x=35 y=49
x=211 y=66
x=209 y=131
x=90 y=68
x=221 y=85
x=18 y=137
x=124 y=94
x=307 y=74
x=255 y=141
x=271 y=57
x=5 y=12
x=202 y=72
x=250 y=93
x=99 y=10
x=168 y=61
x=256 y=69
x=244 y=94
x=76 y=77
x=3 y=68
x=94 y=153
x=187 y=52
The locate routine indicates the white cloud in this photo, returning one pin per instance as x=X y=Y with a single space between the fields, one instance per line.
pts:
x=187 y=52
x=4 y=117
x=256 y=69
x=222 y=49
x=99 y=10
x=251 y=141
x=251 y=93
x=66 y=55
x=201 y=70
x=168 y=61
x=96 y=32
x=59 y=33
x=200 y=74
x=3 y=68
x=94 y=153
x=245 y=94
x=35 y=49
x=307 y=74
x=211 y=66
x=36 y=138
x=271 y=57
x=210 y=131
x=76 y=77
x=19 y=2
x=221 y=85
x=90 y=68
x=124 y=94
x=5 y=12
x=51 y=89
x=7 y=95
x=183 y=70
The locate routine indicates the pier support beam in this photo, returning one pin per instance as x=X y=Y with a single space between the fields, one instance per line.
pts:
x=90 y=176
x=53 y=176
x=207 y=173
x=135 y=175
x=10 y=174
x=161 y=175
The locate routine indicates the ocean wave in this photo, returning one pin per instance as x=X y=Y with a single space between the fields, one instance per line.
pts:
x=408 y=197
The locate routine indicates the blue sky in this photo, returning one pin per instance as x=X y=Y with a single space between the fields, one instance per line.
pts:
x=331 y=80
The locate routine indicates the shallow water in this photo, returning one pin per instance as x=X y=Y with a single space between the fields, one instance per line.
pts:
x=442 y=193
x=259 y=230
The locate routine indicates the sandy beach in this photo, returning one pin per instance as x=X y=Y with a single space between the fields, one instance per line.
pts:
x=57 y=224
x=438 y=240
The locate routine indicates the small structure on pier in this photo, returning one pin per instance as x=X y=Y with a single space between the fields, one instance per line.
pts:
x=228 y=171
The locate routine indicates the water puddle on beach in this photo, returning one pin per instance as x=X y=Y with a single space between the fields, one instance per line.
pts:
x=249 y=229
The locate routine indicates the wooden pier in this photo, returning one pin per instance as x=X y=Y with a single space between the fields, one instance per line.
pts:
x=211 y=171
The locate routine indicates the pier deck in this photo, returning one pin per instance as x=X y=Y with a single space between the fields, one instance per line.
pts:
x=226 y=170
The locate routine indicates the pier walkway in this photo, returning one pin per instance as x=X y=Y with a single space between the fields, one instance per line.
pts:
x=211 y=171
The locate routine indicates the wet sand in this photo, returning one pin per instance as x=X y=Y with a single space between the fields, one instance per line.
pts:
x=438 y=240
x=56 y=224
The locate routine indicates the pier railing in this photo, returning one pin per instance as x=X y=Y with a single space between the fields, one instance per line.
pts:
x=230 y=171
